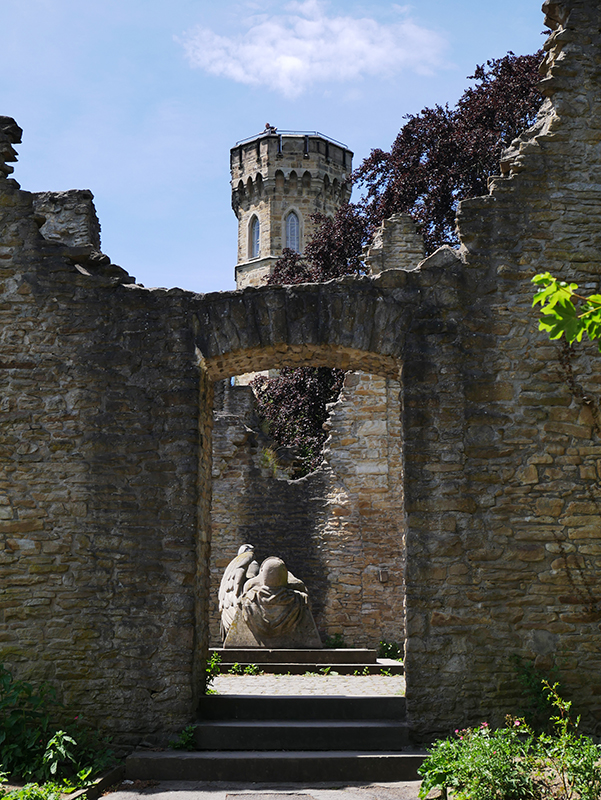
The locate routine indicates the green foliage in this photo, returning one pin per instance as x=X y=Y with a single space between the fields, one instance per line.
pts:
x=336 y=640
x=481 y=764
x=185 y=739
x=30 y=749
x=212 y=668
x=236 y=669
x=91 y=756
x=568 y=761
x=565 y=313
x=538 y=705
x=269 y=459
x=59 y=750
x=24 y=723
x=390 y=650
x=513 y=763
x=33 y=791
x=252 y=669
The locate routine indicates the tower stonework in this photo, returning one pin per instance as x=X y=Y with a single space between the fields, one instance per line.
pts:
x=276 y=177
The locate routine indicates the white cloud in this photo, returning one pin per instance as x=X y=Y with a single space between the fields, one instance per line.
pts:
x=290 y=52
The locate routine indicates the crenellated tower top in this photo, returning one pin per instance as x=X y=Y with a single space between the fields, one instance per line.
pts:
x=280 y=178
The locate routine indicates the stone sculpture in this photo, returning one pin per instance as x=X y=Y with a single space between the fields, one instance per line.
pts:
x=237 y=572
x=266 y=607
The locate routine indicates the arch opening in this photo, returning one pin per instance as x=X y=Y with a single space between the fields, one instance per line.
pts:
x=342 y=533
x=254 y=237
x=292 y=240
x=258 y=359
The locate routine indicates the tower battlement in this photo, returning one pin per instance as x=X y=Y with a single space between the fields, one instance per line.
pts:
x=280 y=178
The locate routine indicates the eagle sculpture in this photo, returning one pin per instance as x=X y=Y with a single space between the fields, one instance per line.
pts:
x=238 y=571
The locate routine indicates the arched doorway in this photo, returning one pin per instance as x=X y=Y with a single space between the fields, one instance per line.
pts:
x=352 y=325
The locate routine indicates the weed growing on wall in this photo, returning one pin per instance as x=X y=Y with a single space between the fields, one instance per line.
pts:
x=212 y=670
x=568 y=316
x=514 y=763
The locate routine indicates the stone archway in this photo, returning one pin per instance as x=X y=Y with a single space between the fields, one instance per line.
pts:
x=357 y=325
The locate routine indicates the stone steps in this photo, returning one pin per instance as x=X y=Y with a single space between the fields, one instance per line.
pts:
x=257 y=708
x=303 y=735
x=290 y=739
x=394 y=668
x=264 y=655
x=344 y=661
x=274 y=767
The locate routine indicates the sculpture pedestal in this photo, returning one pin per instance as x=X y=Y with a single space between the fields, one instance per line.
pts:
x=342 y=661
x=303 y=636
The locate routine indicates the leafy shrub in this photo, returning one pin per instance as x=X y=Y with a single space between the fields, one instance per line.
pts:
x=481 y=764
x=31 y=749
x=212 y=668
x=185 y=740
x=59 y=750
x=537 y=702
x=513 y=763
x=24 y=723
x=336 y=640
x=390 y=650
x=33 y=791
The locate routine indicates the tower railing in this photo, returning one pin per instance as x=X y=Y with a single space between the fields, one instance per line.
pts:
x=279 y=132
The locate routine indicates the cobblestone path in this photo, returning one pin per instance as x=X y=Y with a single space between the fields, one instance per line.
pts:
x=350 y=685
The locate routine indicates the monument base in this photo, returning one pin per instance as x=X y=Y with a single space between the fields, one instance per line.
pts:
x=304 y=636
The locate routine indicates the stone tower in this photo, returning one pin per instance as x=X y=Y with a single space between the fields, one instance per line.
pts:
x=280 y=178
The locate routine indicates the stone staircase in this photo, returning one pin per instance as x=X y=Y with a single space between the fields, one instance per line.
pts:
x=344 y=661
x=290 y=739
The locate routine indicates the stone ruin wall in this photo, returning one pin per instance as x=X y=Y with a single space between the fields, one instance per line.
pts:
x=507 y=559
x=105 y=442
x=363 y=456
x=100 y=446
x=339 y=529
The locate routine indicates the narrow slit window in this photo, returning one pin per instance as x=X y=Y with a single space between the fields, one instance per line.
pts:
x=292 y=232
x=255 y=237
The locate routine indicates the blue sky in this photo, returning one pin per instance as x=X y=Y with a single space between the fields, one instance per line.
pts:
x=141 y=100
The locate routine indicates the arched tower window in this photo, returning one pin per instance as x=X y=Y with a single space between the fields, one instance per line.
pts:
x=255 y=237
x=293 y=232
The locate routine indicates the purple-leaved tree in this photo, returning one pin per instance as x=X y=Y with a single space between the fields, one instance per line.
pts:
x=440 y=156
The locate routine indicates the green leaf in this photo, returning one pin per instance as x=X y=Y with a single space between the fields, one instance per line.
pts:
x=543 y=277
